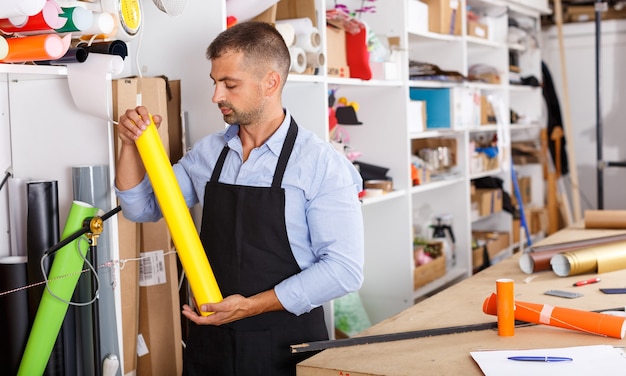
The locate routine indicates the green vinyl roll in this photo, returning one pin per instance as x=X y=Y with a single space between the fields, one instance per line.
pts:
x=63 y=278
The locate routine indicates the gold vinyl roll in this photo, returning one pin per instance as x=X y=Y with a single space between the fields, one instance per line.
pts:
x=606 y=219
x=611 y=257
x=600 y=259
x=168 y=194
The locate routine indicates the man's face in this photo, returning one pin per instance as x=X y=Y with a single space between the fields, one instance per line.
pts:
x=238 y=92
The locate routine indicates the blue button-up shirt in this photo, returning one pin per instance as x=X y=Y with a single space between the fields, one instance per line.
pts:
x=322 y=210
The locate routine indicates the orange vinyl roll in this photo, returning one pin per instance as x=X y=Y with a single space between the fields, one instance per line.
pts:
x=567 y=318
x=184 y=234
x=605 y=219
x=36 y=47
x=505 y=303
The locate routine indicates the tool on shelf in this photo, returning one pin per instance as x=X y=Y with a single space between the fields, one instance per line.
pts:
x=518 y=196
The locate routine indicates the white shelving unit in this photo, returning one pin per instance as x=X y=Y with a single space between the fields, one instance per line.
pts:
x=384 y=140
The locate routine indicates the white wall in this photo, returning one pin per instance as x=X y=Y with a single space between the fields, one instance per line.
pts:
x=5 y=162
x=579 y=42
x=176 y=47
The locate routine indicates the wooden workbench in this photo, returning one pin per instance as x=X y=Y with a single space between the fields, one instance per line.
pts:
x=461 y=304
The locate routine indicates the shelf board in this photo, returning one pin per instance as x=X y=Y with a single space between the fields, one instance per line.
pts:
x=427 y=35
x=295 y=77
x=484 y=128
x=517 y=47
x=523 y=127
x=482 y=174
x=523 y=88
x=486 y=86
x=435 y=133
x=432 y=83
x=437 y=184
x=54 y=70
x=359 y=82
x=471 y=40
x=385 y=197
x=450 y=277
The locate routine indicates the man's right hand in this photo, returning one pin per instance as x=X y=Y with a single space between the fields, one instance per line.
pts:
x=130 y=170
x=133 y=122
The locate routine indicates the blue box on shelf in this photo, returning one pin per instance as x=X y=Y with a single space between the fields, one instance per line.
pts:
x=449 y=108
x=438 y=114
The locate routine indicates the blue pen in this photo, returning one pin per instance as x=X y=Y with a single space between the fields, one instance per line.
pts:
x=541 y=358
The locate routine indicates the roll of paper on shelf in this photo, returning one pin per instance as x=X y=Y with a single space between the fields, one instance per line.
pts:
x=186 y=239
x=506 y=307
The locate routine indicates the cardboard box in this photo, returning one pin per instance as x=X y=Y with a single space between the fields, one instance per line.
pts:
x=417 y=17
x=488 y=201
x=479 y=258
x=154 y=311
x=525 y=188
x=495 y=242
x=584 y=13
x=487 y=115
x=515 y=229
x=525 y=152
x=129 y=275
x=433 y=143
x=155 y=94
x=269 y=15
x=477 y=29
x=288 y=9
x=444 y=16
x=159 y=308
x=538 y=220
x=449 y=108
x=336 y=60
x=426 y=273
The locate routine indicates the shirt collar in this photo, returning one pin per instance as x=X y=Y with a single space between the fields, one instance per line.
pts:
x=274 y=143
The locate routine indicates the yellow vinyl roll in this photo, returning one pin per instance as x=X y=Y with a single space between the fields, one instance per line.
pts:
x=167 y=191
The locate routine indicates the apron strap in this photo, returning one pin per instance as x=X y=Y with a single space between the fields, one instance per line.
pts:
x=215 y=176
x=290 y=140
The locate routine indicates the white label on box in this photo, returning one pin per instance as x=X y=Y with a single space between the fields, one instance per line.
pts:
x=142 y=347
x=415 y=119
x=465 y=108
x=417 y=17
x=152 y=268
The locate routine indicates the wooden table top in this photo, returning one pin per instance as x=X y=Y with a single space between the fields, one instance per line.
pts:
x=461 y=304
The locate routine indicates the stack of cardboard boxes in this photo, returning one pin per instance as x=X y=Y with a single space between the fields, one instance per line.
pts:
x=151 y=320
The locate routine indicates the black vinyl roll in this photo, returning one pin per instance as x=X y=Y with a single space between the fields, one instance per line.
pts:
x=42 y=229
x=13 y=312
x=42 y=232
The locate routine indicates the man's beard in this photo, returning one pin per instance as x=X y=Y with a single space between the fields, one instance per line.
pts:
x=240 y=117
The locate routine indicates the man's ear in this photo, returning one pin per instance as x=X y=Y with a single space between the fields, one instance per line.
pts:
x=272 y=83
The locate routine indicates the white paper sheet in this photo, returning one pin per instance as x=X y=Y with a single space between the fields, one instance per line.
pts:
x=89 y=86
x=587 y=360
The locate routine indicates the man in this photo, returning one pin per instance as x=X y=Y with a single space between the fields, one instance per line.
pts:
x=281 y=221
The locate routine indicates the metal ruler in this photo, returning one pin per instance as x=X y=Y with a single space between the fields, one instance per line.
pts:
x=378 y=338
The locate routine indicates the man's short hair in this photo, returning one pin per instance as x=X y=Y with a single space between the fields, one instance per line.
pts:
x=260 y=43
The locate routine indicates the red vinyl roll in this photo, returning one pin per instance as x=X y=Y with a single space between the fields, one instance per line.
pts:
x=46 y=20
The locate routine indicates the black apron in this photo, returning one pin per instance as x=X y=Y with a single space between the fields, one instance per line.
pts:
x=245 y=237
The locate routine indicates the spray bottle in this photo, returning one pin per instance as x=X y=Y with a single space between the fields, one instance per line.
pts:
x=443 y=232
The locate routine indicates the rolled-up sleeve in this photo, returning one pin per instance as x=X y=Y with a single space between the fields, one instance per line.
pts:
x=139 y=203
